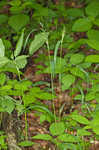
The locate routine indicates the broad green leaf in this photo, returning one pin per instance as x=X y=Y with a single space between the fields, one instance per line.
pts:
x=2 y=49
x=57 y=128
x=7 y=104
x=78 y=97
x=2 y=78
x=83 y=132
x=5 y=87
x=93 y=35
x=41 y=11
x=28 y=99
x=45 y=96
x=66 y=146
x=74 y=12
x=90 y=96
x=3 y=61
x=45 y=117
x=42 y=118
x=97 y=99
x=35 y=90
x=96 y=21
x=3 y=19
x=17 y=22
x=10 y=67
x=67 y=81
x=44 y=109
x=92 y=58
x=80 y=119
x=77 y=44
x=14 y=92
x=95 y=88
x=19 y=108
x=8 y=46
x=42 y=137
x=95 y=125
x=96 y=114
x=68 y=138
x=76 y=59
x=41 y=94
x=27 y=38
x=15 y=3
x=16 y=10
x=82 y=25
x=23 y=85
x=93 y=44
x=85 y=65
x=92 y=9
x=38 y=41
x=96 y=129
x=19 y=45
x=26 y=143
x=38 y=83
x=21 y=61
x=77 y=72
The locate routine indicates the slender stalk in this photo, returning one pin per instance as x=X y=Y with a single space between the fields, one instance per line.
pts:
x=60 y=74
x=52 y=77
x=63 y=34
x=26 y=124
x=82 y=95
x=26 y=127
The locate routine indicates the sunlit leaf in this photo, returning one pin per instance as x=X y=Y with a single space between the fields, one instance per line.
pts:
x=7 y=104
x=68 y=138
x=3 y=61
x=92 y=58
x=90 y=96
x=2 y=49
x=18 y=21
x=57 y=128
x=77 y=44
x=83 y=132
x=93 y=44
x=3 y=19
x=80 y=119
x=2 y=78
x=38 y=41
x=77 y=72
x=95 y=125
x=21 y=61
x=44 y=109
x=66 y=146
x=82 y=25
x=43 y=137
x=92 y=9
x=93 y=34
x=67 y=81
x=19 y=45
x=74 y=12
x=76 y=59
x=26 y=143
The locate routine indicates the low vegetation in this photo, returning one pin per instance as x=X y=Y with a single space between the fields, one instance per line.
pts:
x=49 y=79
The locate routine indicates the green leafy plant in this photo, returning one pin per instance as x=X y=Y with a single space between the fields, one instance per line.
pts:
x=63 y=140
x=74 y=66
x=3 y=144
